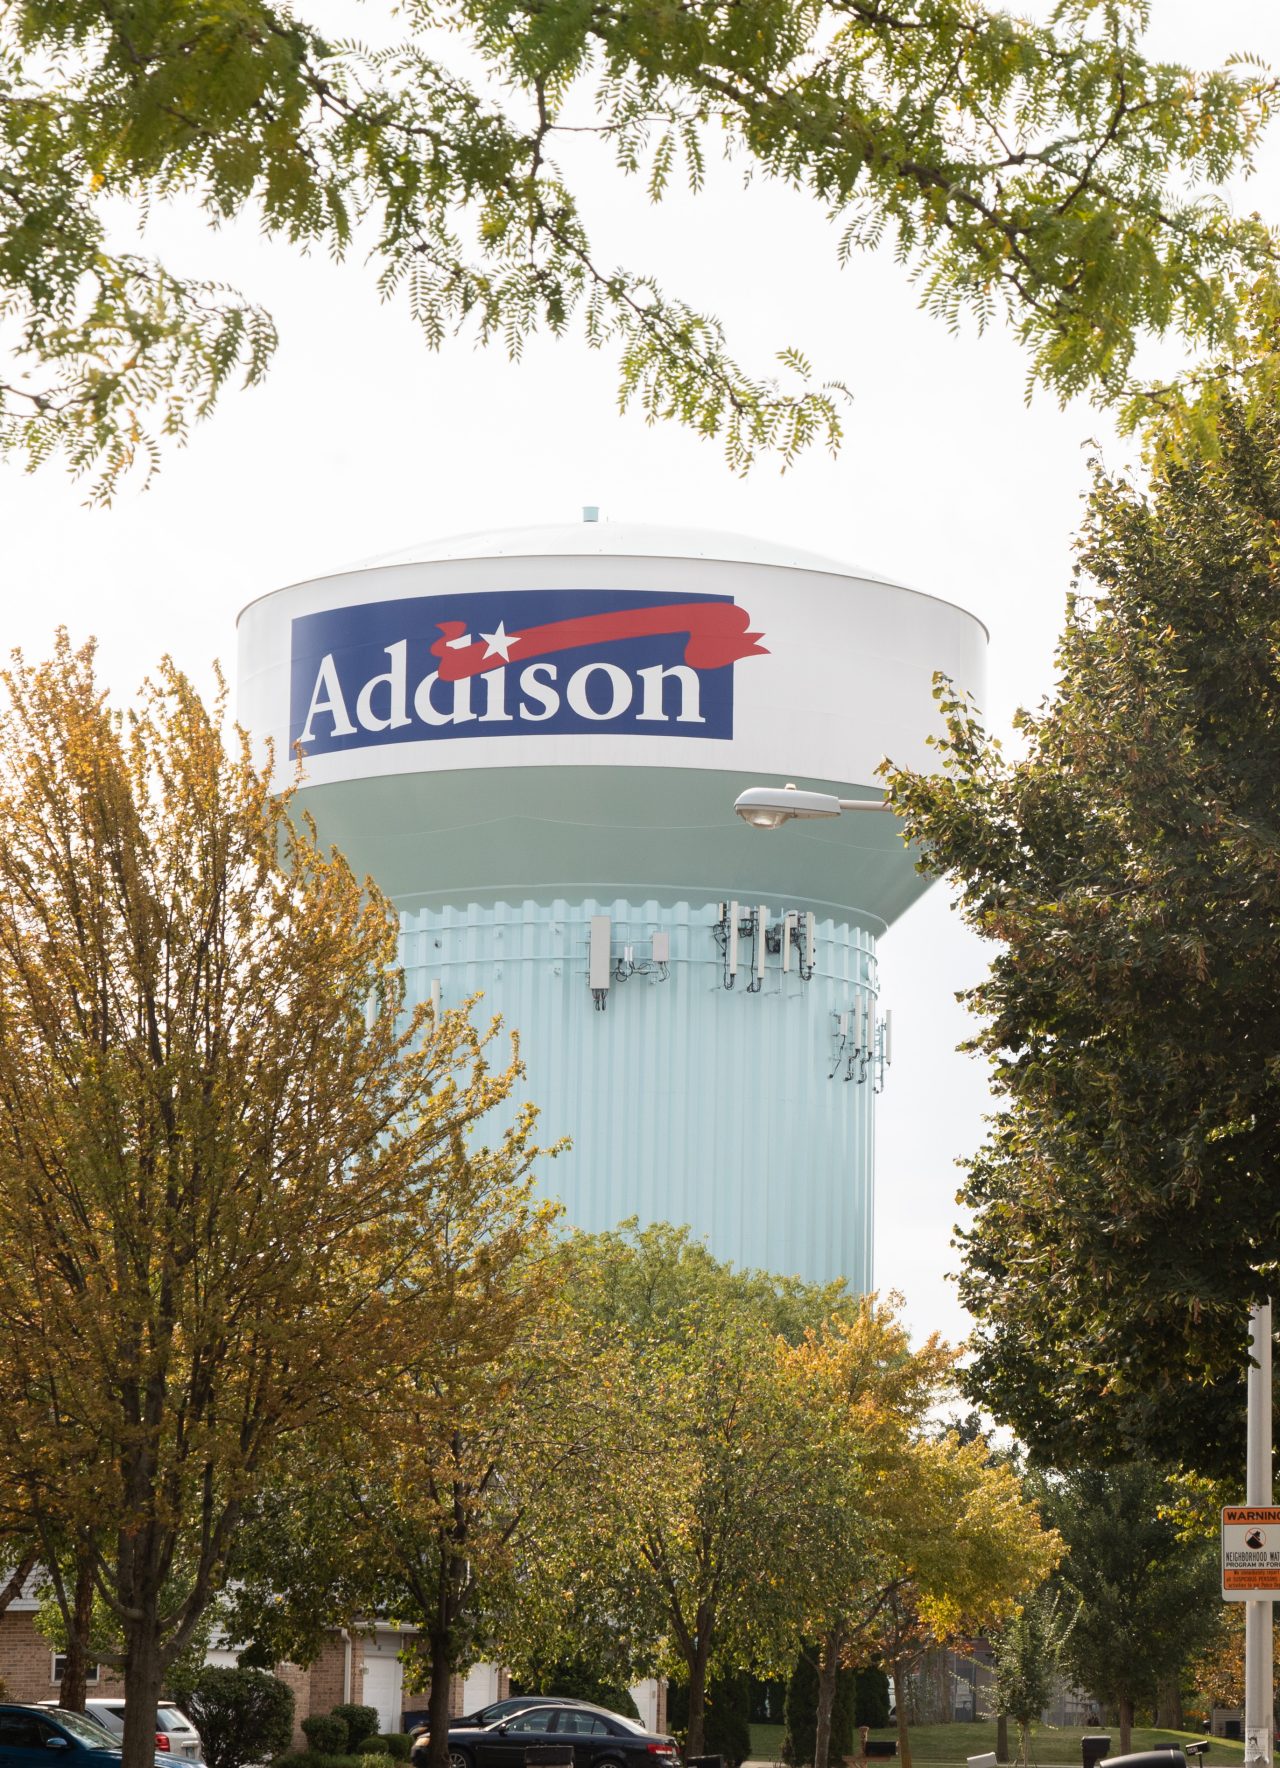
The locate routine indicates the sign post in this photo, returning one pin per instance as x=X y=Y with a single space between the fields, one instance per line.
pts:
x=1251 y=1549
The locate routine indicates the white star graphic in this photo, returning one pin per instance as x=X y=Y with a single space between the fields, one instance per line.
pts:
x=499 y=642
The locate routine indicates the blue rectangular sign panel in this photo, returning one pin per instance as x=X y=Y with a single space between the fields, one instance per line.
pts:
x=515 y=663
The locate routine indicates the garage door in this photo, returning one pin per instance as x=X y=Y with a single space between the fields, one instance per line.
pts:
x=382 y=1688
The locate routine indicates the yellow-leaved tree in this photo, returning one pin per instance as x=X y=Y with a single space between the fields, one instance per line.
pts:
x=916 y=1537
x=217 y=1122
x=965 y=1549
x=467 y=1456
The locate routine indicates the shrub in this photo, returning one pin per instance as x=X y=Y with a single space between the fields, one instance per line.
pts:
x=871 y=1697
x=727 y=1729
x=242 y=1715
x=801 y=1712
x=315 y=1759
x=373 y=1746
x=577 y=1679
x=726 y=1726
x=362 y=1723
x=326 y=1733
x=399 y=1744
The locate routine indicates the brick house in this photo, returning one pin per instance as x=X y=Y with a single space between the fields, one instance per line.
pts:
x=358 y=1668
x=29 y=1667
x=362 y=1665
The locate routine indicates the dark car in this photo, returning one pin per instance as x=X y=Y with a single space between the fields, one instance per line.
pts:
x=520 y=1703
x=599 y=1739
x=498 y=1709
x=36 y=1737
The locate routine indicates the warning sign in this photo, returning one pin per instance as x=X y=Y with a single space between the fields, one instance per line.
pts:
x=1250 y=1552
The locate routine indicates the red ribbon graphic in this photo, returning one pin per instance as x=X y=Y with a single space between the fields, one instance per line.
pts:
x=717 y=635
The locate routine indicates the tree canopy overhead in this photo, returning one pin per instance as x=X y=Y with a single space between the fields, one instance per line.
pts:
x=1047 y=172
x=1127 y=1200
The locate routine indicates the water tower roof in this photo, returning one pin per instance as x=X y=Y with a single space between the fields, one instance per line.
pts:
x=621 y=539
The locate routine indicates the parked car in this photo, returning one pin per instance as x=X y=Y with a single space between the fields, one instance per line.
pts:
x=599 y=1739
x=31 y=1737
x=176 y=1736
x=500 y=1709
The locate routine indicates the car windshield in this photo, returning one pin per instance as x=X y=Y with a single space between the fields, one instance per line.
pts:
x=87 y=1730
x=632 y=1725
x=170 y=1719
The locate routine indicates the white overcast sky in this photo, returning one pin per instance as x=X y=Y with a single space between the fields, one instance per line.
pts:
x=362 y=441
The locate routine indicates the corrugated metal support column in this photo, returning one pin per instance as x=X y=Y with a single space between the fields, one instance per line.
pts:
x=746 y=1112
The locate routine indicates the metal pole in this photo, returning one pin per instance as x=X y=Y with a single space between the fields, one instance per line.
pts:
x=1258 y=1695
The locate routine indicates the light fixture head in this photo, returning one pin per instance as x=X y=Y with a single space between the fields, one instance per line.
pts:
x=768 y=807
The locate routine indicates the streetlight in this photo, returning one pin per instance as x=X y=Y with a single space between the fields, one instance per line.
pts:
x=768 y=807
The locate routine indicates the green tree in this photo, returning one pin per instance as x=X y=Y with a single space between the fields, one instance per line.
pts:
x=1028 y=1661
x=216 y=1122
x=705 y=1472
x=1125 y=865
x=1145 y=1595
x=1050 y=172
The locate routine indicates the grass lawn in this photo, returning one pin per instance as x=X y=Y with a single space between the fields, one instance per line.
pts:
x=1049 y=1747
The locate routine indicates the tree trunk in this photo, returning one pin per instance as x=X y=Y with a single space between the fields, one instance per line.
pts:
x=438 y=1699
x=1002 y=1737
x=900 y=1700
x=143 y=1671
x=1126 y=1723
x=17 y=1578
x=75 y=1674
x=1169 y=1704
x=828 y=1671
x=698 y=1695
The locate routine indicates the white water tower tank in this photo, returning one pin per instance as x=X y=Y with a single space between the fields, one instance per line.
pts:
x=533 y=739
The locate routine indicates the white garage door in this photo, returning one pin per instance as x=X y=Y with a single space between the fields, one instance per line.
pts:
x=382 y=1688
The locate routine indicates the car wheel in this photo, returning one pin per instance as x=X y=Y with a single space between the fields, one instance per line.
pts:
x=459 y=1758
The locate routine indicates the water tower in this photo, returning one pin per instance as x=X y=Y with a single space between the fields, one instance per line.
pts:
x=533 y=740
